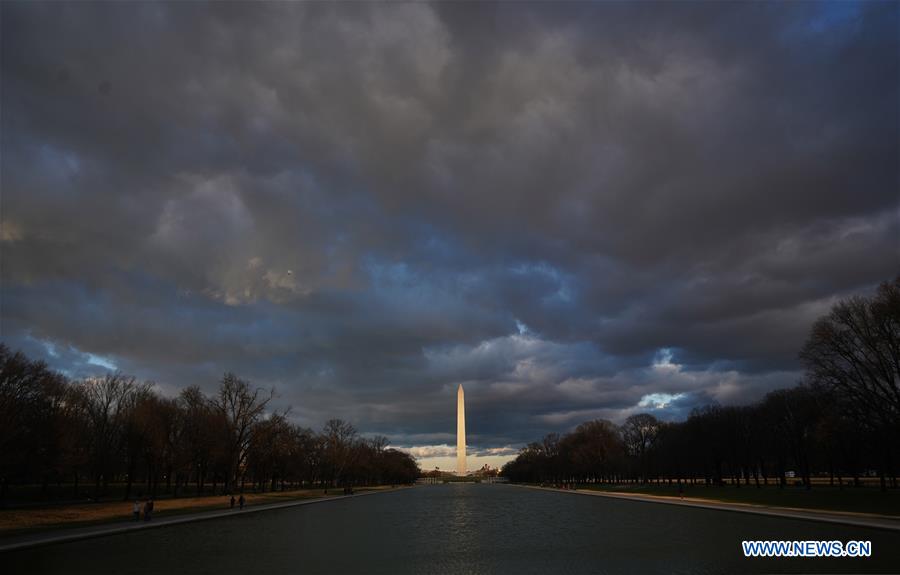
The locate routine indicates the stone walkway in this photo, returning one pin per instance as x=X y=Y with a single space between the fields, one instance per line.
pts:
x=844 y=517
x=72 y=534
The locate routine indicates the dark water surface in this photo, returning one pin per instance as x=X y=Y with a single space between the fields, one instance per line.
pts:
x=461 y=529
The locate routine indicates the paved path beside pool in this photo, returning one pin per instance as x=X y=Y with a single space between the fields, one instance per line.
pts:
x=72 y=534
x=844 y=517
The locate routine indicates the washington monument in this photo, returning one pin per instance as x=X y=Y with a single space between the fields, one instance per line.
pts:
x=460 y=431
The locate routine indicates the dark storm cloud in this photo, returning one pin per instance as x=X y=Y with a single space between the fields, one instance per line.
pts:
x=576 y=210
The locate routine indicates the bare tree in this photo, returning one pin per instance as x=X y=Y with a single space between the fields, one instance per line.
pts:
x=639 y=432
x=31 y=400
x=108 y=401
x=241 y=409
x=339 y=437
x=855 y=349
x=204 y=428
x=593 y=450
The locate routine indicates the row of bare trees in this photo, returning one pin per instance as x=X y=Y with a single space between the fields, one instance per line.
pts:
x=123 y=437
x=841 y=423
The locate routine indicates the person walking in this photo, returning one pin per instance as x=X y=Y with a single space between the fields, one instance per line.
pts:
x=136 y=510
x=232 y=501
x=147 y=510
x=241 y=501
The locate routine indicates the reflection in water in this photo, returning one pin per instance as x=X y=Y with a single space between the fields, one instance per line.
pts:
x=460 y=529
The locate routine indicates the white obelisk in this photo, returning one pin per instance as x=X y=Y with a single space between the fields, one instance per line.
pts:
x=460 y=431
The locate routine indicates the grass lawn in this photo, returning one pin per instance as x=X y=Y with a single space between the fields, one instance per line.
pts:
x=859 y=500
x=20 y=521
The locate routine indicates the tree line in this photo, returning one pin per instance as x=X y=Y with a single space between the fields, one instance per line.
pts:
x=85 y=435
x=842 y=422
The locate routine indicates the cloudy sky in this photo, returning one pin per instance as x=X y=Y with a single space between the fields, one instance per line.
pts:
x=575 y=210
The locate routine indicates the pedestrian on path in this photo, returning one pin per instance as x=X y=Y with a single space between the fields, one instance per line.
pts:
x=241 y=501
x=136 y=510
x=232 y=501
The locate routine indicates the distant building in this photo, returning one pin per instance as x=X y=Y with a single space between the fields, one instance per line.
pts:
x=487 y=471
